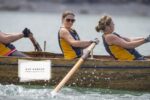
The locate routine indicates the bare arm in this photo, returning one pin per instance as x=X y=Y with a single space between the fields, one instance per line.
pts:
x=113 y=39
x=8 y=38
x=127 y=39
x=137 y=39
x=76 y=43
x=134 y=39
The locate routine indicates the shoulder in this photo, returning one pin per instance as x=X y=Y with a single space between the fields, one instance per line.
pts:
x=111 y=37
x=63 y=30
x=64 y=33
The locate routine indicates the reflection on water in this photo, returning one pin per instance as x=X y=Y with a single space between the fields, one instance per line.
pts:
x=13 y=92
x=45 y=26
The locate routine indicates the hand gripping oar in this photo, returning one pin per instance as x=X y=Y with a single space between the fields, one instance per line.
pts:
x=73 y=70
x=35 y=43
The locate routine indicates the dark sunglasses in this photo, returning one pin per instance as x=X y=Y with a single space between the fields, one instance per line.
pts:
x=70 y=20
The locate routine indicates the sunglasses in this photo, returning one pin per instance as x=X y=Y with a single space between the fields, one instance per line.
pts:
x=70 y=20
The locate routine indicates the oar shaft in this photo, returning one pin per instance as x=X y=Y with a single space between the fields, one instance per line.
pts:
x=35 y=43
x=74 y=69
x=68 y=76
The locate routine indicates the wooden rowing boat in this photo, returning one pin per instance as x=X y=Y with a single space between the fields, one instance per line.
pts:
x=100 y=72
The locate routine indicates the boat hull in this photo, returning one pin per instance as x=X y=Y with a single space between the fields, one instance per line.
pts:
x=94 y=73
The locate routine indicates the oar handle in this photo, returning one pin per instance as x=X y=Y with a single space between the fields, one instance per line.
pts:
x=35 y=43
x=73 y=70
x=89 y=49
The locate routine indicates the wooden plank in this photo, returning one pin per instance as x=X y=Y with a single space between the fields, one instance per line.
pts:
x=94 y=73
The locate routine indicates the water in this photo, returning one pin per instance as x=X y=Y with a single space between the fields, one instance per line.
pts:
x=45 y=27
x=13 y=92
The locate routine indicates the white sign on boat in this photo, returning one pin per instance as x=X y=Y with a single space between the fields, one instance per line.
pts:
x=29 y=70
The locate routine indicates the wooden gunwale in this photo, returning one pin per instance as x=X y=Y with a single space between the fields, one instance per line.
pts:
x=102 y=72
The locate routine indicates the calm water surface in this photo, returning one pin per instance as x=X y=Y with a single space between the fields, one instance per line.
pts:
x=45 y=27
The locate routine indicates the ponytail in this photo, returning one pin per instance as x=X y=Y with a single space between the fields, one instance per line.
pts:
x=103 y=22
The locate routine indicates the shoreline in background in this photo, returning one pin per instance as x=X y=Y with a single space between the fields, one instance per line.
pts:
x=128 y=9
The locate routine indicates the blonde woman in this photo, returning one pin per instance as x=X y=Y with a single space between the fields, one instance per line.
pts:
x=69 y=41
x=121 y=48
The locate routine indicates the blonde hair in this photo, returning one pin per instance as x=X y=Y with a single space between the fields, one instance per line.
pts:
x=103 y=22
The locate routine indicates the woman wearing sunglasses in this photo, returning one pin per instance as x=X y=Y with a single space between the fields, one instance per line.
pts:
x=121 y=48
x=69 y=41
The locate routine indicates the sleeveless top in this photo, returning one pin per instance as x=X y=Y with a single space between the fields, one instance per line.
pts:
x=70 y=52
x=6 y=50
x=120 y=53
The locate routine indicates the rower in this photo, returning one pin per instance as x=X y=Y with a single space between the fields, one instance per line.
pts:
x=69 y=41
x=8 y=49
x=120 y=48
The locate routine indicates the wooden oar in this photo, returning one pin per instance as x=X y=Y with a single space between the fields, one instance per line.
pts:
x=35 y=43
x=73 y=70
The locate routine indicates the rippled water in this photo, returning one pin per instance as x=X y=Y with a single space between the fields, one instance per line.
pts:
x=13 y=92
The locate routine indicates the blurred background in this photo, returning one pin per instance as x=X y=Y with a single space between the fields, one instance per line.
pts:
x=43 y=17
x=138 y=7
